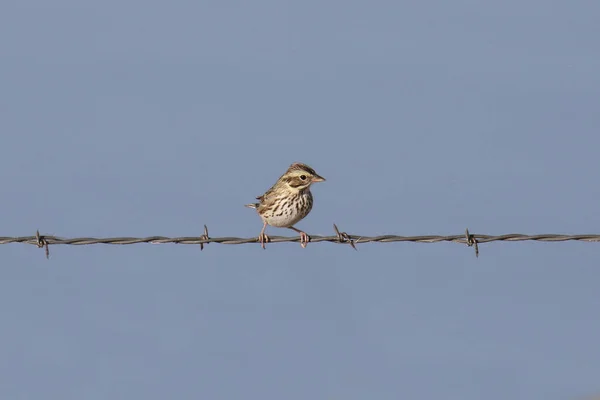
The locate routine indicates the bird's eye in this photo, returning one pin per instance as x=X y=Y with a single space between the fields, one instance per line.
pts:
x=303 y=177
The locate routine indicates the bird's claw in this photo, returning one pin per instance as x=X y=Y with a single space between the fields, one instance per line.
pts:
x=262 y=239
x=304 y=239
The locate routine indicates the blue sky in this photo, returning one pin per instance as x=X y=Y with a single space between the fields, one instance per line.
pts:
x=148 y=118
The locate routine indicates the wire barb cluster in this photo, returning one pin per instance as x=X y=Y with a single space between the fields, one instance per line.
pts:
x=40 y=241
x=470 y=239
x=204 y=237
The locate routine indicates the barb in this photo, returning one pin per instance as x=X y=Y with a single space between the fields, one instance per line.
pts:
x=343 y=237
x=40 y=241
x=43 y=241
x=471 y=241
x=205 y=238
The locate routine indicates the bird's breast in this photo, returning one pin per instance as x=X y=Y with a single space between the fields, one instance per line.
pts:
x=285 y=211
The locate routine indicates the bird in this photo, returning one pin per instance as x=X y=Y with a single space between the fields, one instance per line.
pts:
x=288 y=201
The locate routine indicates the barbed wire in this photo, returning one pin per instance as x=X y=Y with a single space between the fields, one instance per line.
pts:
x=470 y=239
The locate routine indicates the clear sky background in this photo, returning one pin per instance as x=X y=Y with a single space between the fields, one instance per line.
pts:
x=139 y=118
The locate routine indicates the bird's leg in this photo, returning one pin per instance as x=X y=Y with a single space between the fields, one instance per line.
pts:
x=304 y=238
x=263 y=238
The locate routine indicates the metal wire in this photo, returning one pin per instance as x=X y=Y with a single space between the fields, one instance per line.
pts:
x=469 y=239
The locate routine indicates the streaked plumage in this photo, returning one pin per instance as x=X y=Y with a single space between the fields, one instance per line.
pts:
x=288 y=201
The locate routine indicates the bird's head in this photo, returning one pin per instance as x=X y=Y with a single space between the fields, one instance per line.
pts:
x=300 y=176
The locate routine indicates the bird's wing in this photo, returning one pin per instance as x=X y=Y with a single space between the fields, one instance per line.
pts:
x=267 y=194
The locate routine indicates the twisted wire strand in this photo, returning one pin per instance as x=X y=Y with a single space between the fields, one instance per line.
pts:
x=469 y=239
x=511 y=237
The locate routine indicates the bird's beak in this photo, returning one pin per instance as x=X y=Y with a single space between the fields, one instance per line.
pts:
x=318 y=178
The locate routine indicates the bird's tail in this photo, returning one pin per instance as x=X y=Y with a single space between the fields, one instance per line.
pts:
x=252 y=205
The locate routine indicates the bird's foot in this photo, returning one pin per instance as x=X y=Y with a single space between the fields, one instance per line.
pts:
x=304 y=239
x=262 y=239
